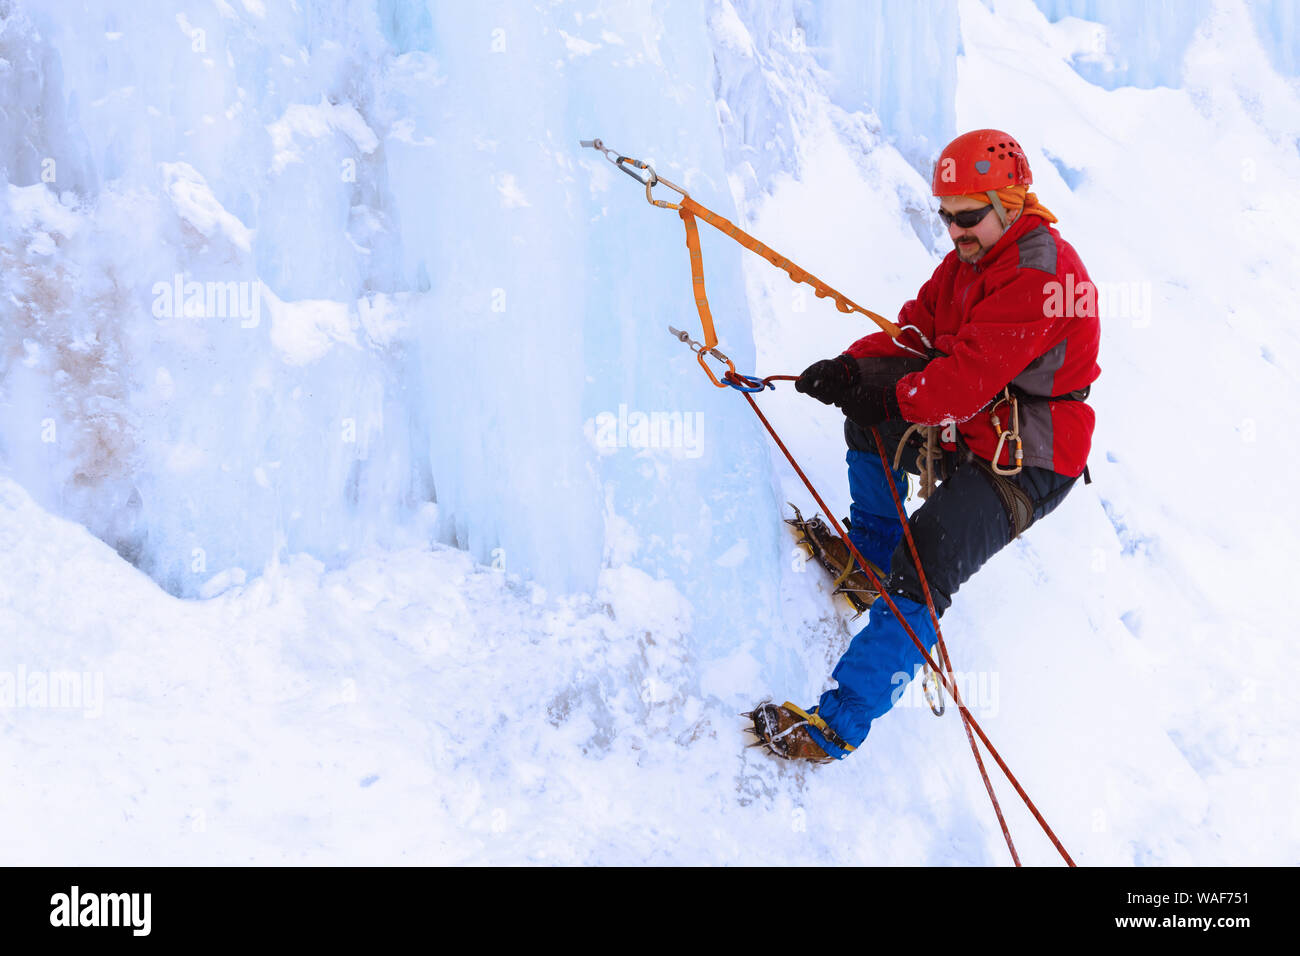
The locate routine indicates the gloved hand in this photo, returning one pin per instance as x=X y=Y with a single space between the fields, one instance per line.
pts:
x=828 y=380
x=888 y=369
x=867 y=404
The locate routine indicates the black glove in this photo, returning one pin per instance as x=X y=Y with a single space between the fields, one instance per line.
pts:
x=828 y=380
x=869 y=404
x=885 y=370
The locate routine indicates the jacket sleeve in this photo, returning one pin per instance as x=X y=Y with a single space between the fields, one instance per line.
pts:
x=918 y=312
x=1005 y=332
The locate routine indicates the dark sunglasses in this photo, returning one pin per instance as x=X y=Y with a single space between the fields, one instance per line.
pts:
x=967 y=218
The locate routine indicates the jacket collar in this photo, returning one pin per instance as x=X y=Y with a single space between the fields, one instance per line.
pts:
x=1008 y=239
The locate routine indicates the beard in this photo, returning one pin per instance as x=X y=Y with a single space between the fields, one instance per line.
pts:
x=972 y=252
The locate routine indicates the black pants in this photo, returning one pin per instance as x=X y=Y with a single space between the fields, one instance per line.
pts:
x=965 y=521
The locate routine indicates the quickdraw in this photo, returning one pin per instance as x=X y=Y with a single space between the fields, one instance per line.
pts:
x=688 y=209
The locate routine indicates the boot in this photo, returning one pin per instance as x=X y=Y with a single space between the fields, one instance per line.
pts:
x=833 y=554
x=785 y=733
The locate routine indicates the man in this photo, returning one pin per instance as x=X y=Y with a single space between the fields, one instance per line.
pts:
x=1004 y=333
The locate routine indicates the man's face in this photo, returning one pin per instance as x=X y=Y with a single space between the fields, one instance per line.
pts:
x=972 y=243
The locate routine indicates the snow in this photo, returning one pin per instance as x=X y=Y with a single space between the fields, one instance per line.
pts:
x=313 y=122
x=304 y=332
x=194 y=202
x=430 y=545
x=578 y=46
x=37 y=209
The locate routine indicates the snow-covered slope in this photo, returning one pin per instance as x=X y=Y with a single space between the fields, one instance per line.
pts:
x=414 y=707
x=439 y=602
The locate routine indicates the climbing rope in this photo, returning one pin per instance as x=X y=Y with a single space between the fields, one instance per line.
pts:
x=688 y=209
x=928 y=460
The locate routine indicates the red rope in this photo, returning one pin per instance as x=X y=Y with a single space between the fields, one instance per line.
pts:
x=968 y=719
x=943 y=650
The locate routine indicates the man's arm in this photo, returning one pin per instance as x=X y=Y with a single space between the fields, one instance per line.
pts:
x=1006 y=331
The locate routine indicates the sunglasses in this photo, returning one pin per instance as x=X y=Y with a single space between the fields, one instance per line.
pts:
x=967 y=218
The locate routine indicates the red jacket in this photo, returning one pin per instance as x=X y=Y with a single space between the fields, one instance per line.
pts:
x=1026 y=313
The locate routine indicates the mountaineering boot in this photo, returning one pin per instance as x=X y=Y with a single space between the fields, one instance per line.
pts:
x=833 y=554
x=785 y=731
x=785 y=734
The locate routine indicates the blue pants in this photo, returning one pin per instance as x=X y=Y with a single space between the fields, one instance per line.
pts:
x=965 y=522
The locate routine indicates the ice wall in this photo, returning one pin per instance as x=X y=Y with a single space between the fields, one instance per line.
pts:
x=889 y=65
x=895 y=58
x=1144 y=44
x=553 y=281
x=200 y=348
x=1277 y=24
x=286 y=278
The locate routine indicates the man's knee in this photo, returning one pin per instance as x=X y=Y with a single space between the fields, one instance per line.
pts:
x=905 y=581
x=956 y=531
x=857 y=437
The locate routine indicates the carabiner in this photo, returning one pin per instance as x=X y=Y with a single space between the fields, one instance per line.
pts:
x=650 y=181
x=629 y=165
x=646 y=181
x=746 y=383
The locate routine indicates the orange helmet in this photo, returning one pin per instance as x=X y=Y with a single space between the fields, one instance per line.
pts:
x=980 y=161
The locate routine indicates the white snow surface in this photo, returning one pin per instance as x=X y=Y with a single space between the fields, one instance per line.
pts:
x=396 y=568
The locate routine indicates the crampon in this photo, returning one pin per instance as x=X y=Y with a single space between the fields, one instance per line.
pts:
x=784 y=733
x=829 y=550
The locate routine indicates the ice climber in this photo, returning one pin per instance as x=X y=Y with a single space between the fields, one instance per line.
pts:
x=1007 y=327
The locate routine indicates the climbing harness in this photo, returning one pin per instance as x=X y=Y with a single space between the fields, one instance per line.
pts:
x=688 y=209
x=1017 y=503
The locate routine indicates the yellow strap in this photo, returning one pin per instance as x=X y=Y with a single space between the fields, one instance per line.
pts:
x=844 y=574
x=821 y=725
x=689 y=208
